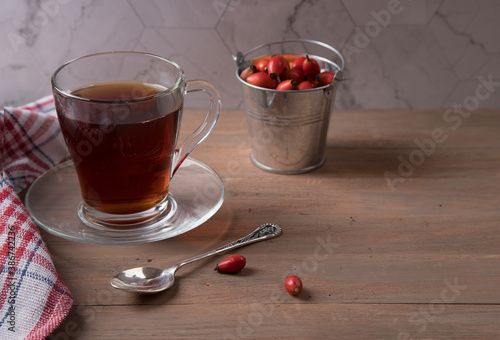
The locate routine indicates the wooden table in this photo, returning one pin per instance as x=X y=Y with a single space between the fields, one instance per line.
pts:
x=397 y=236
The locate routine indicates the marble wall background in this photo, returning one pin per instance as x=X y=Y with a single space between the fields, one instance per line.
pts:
x=401 y=54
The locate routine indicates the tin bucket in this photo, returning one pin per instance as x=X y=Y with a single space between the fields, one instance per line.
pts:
x=287 y=129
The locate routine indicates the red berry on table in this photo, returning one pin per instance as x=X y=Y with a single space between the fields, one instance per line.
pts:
x=293 y=285
x=231 y=264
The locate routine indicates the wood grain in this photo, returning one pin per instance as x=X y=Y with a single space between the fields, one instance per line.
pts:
x=416 y=260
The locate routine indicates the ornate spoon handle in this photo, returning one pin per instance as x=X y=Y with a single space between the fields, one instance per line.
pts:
x=264 y=232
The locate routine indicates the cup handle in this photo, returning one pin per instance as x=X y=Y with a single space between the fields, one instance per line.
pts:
x=192 y=141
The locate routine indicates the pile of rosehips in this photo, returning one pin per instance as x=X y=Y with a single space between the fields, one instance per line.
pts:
x=286 y=72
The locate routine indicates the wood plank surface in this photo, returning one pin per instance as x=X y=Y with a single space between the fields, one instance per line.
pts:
x=385 y=250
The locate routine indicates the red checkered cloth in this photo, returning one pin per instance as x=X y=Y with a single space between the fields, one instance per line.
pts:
x=33 y=299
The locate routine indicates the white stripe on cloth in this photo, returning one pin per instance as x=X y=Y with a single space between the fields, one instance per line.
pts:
x=33 y=144
x=33 y=299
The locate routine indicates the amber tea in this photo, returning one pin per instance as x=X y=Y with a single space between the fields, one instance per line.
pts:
x=121 y=137
x=120 y=115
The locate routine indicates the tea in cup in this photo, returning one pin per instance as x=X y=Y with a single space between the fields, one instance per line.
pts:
x=120 y=115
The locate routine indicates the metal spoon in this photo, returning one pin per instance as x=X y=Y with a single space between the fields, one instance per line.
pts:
x=153 y=280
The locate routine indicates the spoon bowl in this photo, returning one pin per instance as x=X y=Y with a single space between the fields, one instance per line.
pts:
x=144 y=279
x=154 y=280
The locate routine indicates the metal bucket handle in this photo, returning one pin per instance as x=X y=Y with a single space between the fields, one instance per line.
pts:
x=240 y=57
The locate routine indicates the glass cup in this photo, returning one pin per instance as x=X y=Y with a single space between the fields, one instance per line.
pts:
x=120 y=115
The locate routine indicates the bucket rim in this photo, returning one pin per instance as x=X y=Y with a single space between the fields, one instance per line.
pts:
x=239 y=58
x=338 y=71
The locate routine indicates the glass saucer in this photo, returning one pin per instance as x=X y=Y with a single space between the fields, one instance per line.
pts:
x=53 y=199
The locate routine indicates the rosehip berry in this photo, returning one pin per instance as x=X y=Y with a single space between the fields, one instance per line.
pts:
x=277 y=64
x=305 y=85
x=325 y=78
x=231 y=264
x=262 y=79
x=294 y=74
x=248 y=71
x=293 y=285
x=287 y=85
x=297 y=63
x=310 y=67
x=262 y=65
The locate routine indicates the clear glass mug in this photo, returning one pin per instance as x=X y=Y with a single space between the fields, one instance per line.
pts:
x=120 y=115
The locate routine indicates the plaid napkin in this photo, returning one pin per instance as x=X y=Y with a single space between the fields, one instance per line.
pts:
x=33 y=299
